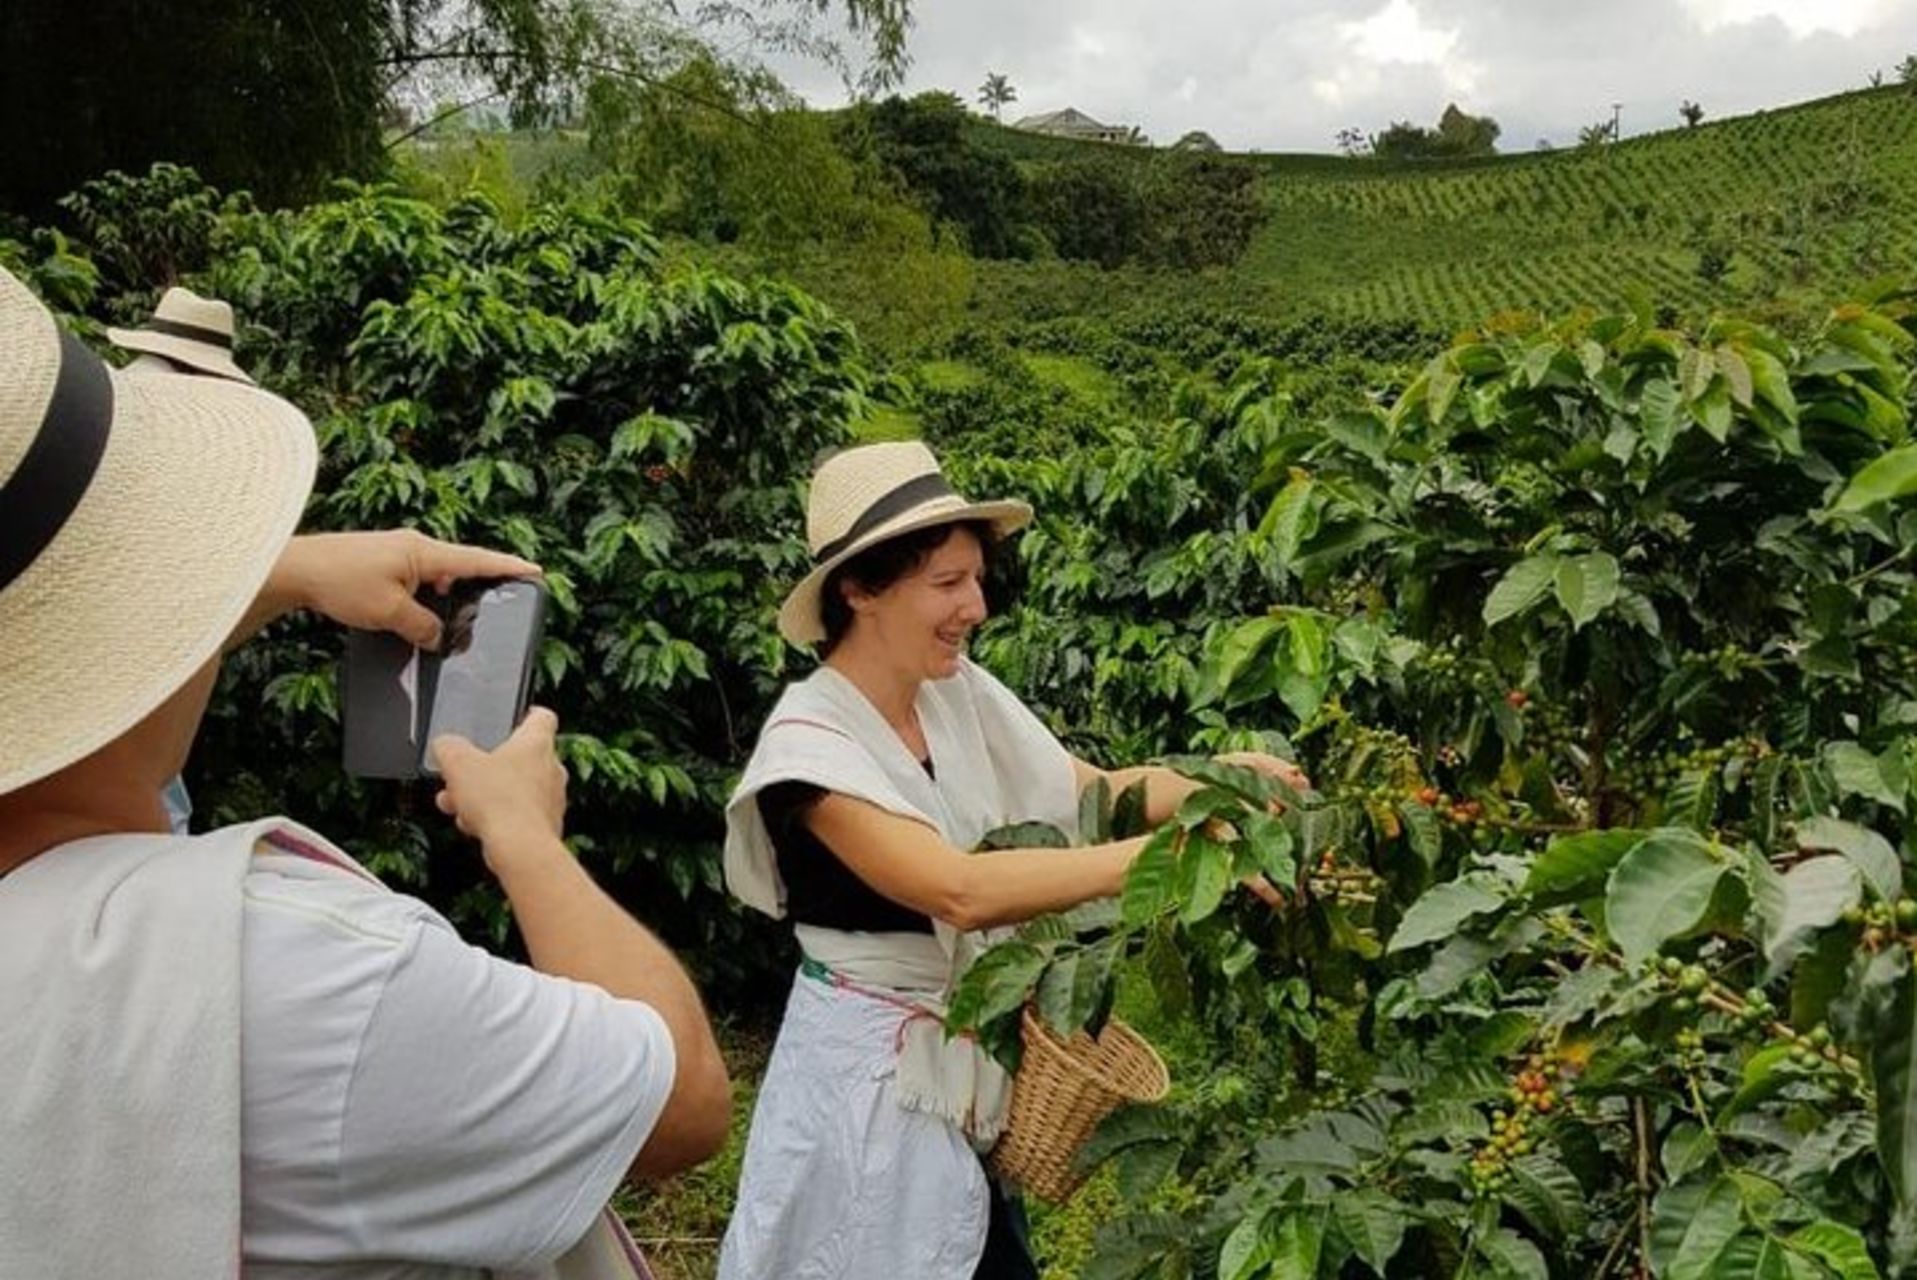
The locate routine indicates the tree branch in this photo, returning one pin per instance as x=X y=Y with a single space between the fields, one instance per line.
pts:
x=574 y=64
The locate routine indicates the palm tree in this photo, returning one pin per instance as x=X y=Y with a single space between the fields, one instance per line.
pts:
x=996 y=92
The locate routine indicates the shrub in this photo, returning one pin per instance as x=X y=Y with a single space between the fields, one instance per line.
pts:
x=556 y=389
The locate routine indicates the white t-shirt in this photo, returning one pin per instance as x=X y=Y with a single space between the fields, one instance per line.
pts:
x=413 y=1107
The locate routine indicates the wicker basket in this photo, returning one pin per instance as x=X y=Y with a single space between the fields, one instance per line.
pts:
x=1063 y=1089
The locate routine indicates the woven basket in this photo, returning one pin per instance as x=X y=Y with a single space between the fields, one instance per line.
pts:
x=1063 y=1089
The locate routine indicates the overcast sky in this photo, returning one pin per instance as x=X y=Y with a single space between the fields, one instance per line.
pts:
x=1286 y=75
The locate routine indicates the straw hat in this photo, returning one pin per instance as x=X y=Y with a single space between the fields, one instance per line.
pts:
x=863 y=496
x=188 y=330
x=139 y=517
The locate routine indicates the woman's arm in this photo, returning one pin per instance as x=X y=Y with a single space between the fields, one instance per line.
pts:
x=1166 y=789
x=912 y=865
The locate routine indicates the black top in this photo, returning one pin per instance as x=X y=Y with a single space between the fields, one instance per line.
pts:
x=821 y=890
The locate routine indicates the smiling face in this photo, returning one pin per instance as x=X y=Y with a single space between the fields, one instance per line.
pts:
x=921 y=621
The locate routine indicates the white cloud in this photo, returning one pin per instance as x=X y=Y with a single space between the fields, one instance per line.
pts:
x=1799 y=17
x=1396 y=36
x=1288 y=74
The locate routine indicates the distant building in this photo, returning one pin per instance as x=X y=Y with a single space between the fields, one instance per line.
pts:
x=1073 y=123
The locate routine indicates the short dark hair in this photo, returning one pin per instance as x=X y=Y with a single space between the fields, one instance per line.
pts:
x=882 y=564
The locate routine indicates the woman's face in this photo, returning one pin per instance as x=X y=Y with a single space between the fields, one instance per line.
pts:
x=923 y=620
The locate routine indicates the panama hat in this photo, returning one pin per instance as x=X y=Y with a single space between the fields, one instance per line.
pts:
x=863 y=496
x=139 y=516
x=188 y=330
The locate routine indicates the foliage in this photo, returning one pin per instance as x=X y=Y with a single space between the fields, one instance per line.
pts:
x=1457 y=135
x=1597 y=645
x=718 y=154
x=923 y=141
x=553 y=388
x=1186 y=209
x=283 y=95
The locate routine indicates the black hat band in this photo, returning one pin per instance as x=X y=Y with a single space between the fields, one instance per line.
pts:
x=40 y=496
x=913 y=493
x=191 y=332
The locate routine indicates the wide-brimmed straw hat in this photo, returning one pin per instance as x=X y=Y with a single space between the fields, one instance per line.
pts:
x=865 y=495
x=188 y=330
x=139 y=516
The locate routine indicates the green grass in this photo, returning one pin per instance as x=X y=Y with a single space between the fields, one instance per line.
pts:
x=886 y=422
x=1078 y=376
x=948 y=375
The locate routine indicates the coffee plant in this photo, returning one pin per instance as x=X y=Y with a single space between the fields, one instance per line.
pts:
x=554 y=387
x=1597 y=951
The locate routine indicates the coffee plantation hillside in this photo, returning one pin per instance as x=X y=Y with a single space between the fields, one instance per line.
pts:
x=1770 y=214
x=1779 y=209
x=1775 y=211
x=1768 y=209
x=1598 y=954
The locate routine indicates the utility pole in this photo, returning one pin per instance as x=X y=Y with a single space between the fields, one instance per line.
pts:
x=1617 y=111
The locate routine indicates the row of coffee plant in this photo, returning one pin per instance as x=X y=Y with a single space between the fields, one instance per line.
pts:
x=1598 y=643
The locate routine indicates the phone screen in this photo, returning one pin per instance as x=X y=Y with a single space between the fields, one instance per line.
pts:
x=485 y=661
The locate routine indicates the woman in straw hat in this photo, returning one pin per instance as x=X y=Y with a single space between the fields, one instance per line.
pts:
x=871 y=781
x=238 y=1051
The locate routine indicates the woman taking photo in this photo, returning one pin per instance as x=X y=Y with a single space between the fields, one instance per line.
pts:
x=872 y=780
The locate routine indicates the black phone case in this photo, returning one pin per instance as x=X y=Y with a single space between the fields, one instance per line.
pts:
x=390 y=689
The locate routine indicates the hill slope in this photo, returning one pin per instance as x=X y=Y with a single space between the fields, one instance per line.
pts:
x=1780 y=211
x=1756 y=211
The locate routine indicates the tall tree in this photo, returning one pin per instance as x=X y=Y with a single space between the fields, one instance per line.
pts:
x=1458 y=134
x=1692 y=112
x=281 y=96
x=996 y=93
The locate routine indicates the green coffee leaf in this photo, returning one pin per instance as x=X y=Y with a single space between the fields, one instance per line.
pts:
x=1870 y=852
x=1521 y=587
x=1660 y=889
x=1437 y=915
x=1586 y=585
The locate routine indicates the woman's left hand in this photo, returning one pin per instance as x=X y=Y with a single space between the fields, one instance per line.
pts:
x=369 y=580
x=1266 y=763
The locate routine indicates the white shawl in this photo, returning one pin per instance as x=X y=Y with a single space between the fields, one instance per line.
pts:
x=120 y=1025
x=120 y=970
x=996 y=764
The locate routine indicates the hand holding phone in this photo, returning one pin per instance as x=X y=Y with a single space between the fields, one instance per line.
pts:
x=476 y=684
x=513 y=799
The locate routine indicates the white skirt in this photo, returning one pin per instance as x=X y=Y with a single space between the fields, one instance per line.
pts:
x=840 y=1182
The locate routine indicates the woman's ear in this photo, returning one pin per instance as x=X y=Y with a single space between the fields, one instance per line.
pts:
x=856 y=597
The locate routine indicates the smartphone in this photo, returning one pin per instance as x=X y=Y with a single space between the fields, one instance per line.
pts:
x=476 y=683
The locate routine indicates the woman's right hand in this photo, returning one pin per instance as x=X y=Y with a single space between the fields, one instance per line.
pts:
x=509 y=799
x=1221 y=832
